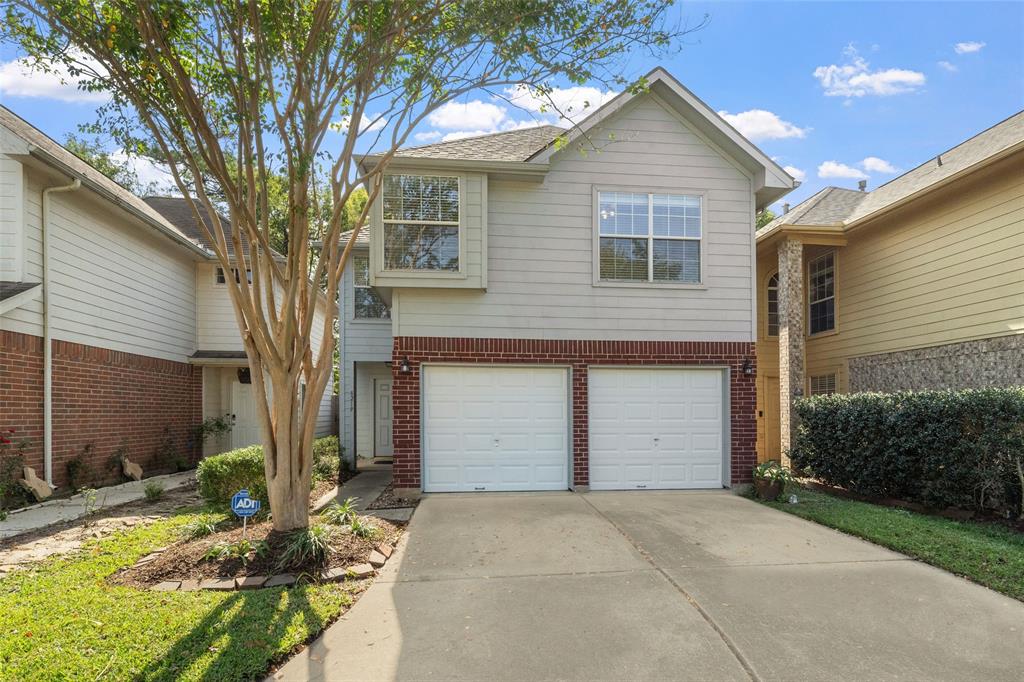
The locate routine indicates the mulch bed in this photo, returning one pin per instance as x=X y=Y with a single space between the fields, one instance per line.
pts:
x=321 y=488
x=186 y=559
x=387 y=500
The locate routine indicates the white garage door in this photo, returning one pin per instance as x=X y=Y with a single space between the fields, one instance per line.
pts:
x=655 y=428
x=495 y=428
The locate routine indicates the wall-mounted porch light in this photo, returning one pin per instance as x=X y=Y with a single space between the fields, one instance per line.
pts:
x=748 y=367
x=404 y=367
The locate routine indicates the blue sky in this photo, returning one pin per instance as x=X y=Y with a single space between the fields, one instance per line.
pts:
x=838 y=91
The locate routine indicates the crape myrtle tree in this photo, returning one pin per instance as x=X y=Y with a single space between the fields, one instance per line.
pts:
x=235 y=95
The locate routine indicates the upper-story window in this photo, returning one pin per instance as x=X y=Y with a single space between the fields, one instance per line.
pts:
x=368 y=303
x=421 y=222
x=773 y=305
x=821 y=294
x=649 y=237
x=220 y=278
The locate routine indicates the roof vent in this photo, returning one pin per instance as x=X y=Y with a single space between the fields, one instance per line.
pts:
x=938 y=159
x=862 y=185
x=785 y=209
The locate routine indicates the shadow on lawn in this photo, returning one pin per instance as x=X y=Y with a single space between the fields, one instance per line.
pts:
x=243 y=631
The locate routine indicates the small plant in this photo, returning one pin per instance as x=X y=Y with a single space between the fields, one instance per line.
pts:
x=12 y=459
x=153 y=491
x=89 y=497
x=772 y=471
x=181 y=463
x=165 y=451
x=237 y=550
x=202 y=526
x=78 y=466
x=340 y=514
x=116 y=460
x=214 y=427
x=362 y=530
x=308 y=546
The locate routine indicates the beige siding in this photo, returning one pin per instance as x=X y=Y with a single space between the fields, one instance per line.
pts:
x=366 y=373
x=113 y=285
x=949 y=270
x=12 y=247
x=541 y=247
x=472 y=240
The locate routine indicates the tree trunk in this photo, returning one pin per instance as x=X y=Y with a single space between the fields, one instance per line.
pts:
x=287 y=454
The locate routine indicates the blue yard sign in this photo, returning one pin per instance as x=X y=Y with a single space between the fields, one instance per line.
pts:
x=243 y=505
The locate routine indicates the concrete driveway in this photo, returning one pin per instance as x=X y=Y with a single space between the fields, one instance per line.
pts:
x=657 y=585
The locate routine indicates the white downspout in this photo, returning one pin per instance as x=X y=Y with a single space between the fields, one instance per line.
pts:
x=47 y=341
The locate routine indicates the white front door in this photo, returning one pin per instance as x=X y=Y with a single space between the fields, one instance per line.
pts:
x=495 y=428
x=246 y=430
x=382 y=446
x=656 y=428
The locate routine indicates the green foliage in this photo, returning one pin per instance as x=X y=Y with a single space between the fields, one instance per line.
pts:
x=326 y=458
x=940 y=448
x=308 y=546
x=363 y=530
x=115 y=462
x=124 y=174
x=240 y=550
x=763 y=218
x=105 y=632
x=221 y=476
x=340 y=514
x=213 y=427
x=986 y=553
x=772 y=471
x=12 y=460
x=201 y=526
x=153 y=491
x=90 y=498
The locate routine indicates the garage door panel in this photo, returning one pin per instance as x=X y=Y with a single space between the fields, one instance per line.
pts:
x=508 y=429
x=655 y=428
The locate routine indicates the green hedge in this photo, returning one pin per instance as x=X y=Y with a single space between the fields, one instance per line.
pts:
x=221 y=476
x=939 y=448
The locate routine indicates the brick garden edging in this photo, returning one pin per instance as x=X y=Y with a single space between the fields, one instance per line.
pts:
x=579 y=356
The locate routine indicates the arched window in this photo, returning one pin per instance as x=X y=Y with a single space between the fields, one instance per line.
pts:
x=773 y=305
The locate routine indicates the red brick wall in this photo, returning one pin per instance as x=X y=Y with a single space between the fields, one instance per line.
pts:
x=100 y=396
x=579 y=355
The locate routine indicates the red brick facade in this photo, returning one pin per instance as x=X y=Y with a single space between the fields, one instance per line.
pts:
x=578 y=355
x=103 y=397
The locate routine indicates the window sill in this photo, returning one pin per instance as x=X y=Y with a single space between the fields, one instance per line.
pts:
x=649 y=285
x=371 y=320
x=418 y=274
x=818 y=335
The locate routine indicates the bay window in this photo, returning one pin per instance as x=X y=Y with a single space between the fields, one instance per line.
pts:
x=421 y=222
x=649 y=237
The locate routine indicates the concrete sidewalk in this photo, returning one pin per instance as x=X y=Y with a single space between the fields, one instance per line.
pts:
x=66 y=509
x=371 y=482
x=651 y=585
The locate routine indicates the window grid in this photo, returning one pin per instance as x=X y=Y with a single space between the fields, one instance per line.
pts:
x=219 y=277
x=773 y=305
x=823 y=384
x=821 y=294
x=368 y=305
x=420 y=215
x=620 y=223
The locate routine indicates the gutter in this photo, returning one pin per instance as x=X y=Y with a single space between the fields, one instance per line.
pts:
x=530 y=169
x=47 y=340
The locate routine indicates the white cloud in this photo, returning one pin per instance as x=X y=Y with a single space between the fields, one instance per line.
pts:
x=948 y=66
x=151 y=174
x=18 y=78
x=834 y=169
x=567 y=104
x=758 y=124
x=428 y=136
x=366 y=123
x=474 y=114
x=968 y=47
x=797 y=173
x=873 y=164
x=856 y=79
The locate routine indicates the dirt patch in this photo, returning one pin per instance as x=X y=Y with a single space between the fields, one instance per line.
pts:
x=387 y=500
x=187 y=559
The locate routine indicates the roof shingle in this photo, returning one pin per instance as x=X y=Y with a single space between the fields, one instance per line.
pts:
x=511 y=145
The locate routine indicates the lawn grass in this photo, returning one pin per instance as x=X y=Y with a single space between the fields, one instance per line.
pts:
x=986 y=553
x=61 y=620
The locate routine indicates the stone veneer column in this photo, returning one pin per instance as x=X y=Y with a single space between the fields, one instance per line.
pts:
x=791 y=336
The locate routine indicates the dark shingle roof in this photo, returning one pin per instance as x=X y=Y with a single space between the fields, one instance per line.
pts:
x=511 y=145
x=10 y=289
x=362 y=240
x=179 y=213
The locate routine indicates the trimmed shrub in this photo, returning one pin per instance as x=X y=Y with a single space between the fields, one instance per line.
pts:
x=326 y=458
x=939 y=448
x=221 y=476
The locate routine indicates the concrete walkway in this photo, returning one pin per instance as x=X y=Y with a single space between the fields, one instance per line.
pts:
x=66 y=509
x=651 y=585
x=370 y=483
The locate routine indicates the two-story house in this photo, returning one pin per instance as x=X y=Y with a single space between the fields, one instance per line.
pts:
x=115 y=327
x=918 y=284
x=525 y=314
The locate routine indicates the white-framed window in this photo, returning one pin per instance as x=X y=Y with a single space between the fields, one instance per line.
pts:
x=421 y=222
x=219 y=277
x=822 y=384
x=368 y=303
x=649 y=237
x=821 y=293
x=772 y=316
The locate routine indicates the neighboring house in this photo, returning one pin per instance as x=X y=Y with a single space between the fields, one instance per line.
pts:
x=143 y=338
x=524 y=315
x=918 y=284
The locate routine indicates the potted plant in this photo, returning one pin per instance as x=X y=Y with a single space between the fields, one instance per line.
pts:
x=770 y=478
